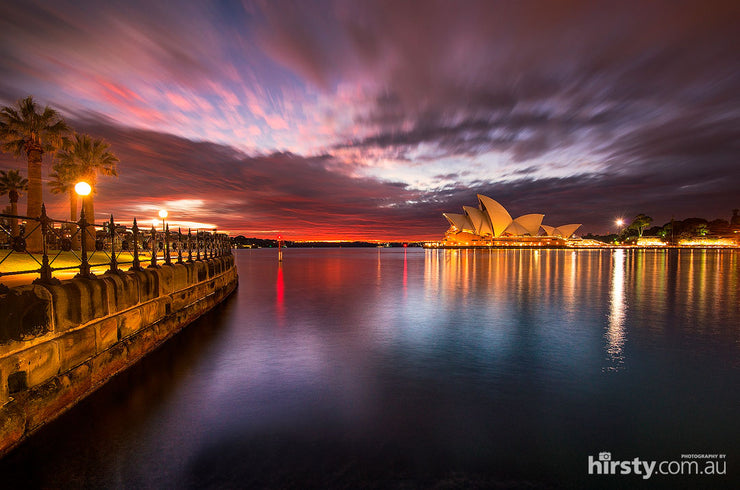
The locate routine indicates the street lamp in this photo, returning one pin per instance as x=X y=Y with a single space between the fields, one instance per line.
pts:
x=163 y=215
x=83 y=189
x=619 y=222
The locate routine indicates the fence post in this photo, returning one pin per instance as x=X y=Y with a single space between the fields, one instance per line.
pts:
x=136 y=266
x=113 y=262
x=84 y=264
x=179 y=245
x=154 y=248
x=197 y=244
x=167 y=259
x=45 y=271
x=190 y=247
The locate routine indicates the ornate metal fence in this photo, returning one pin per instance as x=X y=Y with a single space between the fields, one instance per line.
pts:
x=94 y=246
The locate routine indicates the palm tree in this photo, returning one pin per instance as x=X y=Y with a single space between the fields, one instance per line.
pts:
x=86 y=156
x=28 y=130
x=12 y=184
x=63 y=181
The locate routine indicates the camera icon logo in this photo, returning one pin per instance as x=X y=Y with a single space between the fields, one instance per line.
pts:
x=605 y=456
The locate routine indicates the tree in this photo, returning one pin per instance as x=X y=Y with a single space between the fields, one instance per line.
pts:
x=28 y=130
x=702 y=230
x=63 y=181
x=12 y=184
x=639 y=223
x=87 y=157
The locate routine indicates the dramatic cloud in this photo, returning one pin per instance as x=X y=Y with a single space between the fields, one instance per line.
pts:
x=368 y=119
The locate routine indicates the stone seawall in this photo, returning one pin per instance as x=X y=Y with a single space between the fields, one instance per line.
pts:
x=58 y=343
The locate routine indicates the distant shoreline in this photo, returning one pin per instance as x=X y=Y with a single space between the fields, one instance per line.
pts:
x=576 y=247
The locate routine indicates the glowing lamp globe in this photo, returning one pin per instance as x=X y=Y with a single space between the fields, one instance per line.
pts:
x=83 y=189
x=162 y=214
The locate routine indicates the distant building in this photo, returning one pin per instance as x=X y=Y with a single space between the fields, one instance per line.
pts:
x=491 y=224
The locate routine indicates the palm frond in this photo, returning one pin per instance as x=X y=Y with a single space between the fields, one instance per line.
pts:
x=88 y=156
x=12 y=180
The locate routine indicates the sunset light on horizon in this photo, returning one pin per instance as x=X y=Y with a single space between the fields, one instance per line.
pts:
x=333 y=120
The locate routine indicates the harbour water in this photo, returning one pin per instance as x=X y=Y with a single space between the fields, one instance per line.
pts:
x=410 y=368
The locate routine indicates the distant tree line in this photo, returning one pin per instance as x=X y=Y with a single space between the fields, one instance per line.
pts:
x=674 y=229
x=243 y=242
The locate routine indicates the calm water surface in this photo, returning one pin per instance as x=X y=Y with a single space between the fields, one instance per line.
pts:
x=392 y=368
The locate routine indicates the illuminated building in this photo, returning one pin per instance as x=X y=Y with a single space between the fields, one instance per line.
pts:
x=491 y=224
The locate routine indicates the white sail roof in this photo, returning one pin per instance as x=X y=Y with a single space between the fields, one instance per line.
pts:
x=460 y=222
x=480 y=221
x=564 y=231
x=516 y=228
x=497 y=214
x=491 y=219
x=548 y=229
x=567 y=230
x=531 y=222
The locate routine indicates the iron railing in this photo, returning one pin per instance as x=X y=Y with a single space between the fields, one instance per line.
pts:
x=95 y=246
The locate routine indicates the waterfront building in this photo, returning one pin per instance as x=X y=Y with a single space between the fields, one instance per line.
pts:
x=490 y=224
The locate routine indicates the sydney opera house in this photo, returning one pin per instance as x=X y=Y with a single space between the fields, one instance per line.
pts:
x=490 y=224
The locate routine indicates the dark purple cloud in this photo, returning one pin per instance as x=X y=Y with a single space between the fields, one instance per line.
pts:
x=313 y=197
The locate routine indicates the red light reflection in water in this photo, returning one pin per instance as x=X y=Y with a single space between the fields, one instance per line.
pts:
x=405 y=273
x=280 y=301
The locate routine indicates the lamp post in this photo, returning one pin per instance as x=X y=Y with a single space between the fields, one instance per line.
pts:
x=163 y=214
x=619 y=222
x=83 y=189
x=166 y=233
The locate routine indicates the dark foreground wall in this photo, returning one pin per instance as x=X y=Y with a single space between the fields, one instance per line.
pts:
x=58 y=343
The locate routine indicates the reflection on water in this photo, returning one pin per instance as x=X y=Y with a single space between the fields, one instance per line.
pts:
x=415 y=368
x=615 y=332
x=280 y=299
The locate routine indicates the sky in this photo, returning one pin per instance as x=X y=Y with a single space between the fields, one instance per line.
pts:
x=369 y=119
